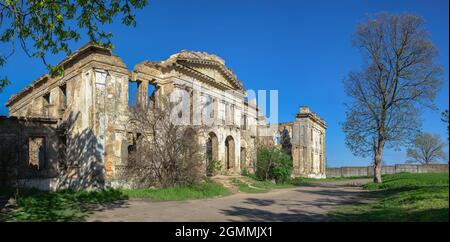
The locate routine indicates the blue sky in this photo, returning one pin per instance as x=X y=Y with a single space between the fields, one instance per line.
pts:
x=301 y=48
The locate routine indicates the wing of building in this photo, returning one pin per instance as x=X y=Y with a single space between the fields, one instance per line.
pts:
x=79 y=122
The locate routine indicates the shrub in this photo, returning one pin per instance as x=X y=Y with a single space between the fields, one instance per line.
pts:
x=272 y=163
x=214 y=167
x=163 y=154
x=245 y=172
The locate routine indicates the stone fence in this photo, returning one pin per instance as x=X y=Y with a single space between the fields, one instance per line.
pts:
x=368 y=170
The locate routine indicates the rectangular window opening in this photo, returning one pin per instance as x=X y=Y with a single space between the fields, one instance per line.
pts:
x=63 y=89
x=133 y=87
x=47 y=99
x=151 y=95
x=244 y=122
x=36 y=152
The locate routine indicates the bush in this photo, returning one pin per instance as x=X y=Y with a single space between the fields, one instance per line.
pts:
x=245 y=172
x=272 y=163
x=214 y=167
x=163 y=154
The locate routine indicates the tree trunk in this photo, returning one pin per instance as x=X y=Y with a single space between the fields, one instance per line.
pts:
x=378 y=152
x=377 y=171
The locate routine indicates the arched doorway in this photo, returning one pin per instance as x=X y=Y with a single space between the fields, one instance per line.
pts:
x=212 y=146
x=229 y=152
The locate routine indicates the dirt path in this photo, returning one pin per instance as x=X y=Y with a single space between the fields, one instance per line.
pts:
x=305 y=203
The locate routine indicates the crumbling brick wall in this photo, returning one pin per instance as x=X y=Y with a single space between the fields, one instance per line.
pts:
x=25 y=150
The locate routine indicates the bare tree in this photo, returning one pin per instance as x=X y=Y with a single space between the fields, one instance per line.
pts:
x=399 y=76
x=164 y=153
x=427 y=148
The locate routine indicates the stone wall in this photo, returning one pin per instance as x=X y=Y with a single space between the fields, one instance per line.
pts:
x=308 y=144
x=28 y=149
x=80 y=126
x=368 y=170
x=88 y=105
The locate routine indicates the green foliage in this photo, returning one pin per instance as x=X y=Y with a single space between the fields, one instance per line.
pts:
x=202 y=190
x=245 y=172
x=214 y=167
x=272 y=163
x=56 y=70
x=3 y=82
x=409 y=180
x=49 y=26
x=250 y=175
x=66 y=205
x=402 y=197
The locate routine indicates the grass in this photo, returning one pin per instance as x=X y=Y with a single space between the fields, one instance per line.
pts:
x=402 y=197
x=244 y=187
x=410 y=180
x=35 y=205
x=203 y=190
x=331 y=179
x=258 y=186
x=66 y=205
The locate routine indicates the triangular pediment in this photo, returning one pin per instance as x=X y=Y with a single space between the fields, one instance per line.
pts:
x=216 y=75
x=202 y=66
x=215 y=71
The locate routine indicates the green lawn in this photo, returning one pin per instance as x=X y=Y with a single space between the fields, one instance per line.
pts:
x=258 y=186
x=204 y=190
x=35 y=205
x=402 y=197
x=329 y=179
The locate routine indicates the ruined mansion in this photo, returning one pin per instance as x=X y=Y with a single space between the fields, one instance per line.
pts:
x=79 y=122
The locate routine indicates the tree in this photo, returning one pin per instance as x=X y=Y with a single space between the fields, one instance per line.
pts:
x=427 y=149
x=164 y=153
x=42 y=26
x=273 y=163
x=285 y=141
x=399 y=77
x=444 y=118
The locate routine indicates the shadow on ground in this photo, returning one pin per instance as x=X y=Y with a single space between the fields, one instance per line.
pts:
x=260 y=215
x=314 y=210
x=34 y=205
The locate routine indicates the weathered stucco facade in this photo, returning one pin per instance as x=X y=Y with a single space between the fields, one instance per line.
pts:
x=308 y=144
x=86 y=110
x=304 y=139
